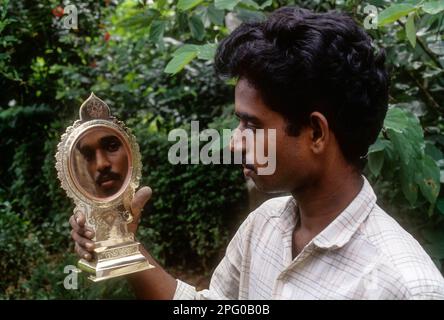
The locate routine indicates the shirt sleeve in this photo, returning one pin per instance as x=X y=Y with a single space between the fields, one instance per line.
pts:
x=225 y=281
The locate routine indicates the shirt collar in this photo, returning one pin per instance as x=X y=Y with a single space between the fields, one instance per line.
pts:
x=340 y=230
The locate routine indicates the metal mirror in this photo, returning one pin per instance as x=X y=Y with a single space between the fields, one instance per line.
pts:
x=98 y=164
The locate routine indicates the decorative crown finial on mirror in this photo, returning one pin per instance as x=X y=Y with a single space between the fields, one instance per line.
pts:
x=94 y=108
x=98 y=165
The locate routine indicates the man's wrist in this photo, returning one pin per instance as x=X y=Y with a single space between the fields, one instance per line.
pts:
x=133 y=227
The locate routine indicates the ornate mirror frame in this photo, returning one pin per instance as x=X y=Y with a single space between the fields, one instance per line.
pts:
x=116 y=251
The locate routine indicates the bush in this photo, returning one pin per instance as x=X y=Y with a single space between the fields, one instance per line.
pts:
x=21 y=250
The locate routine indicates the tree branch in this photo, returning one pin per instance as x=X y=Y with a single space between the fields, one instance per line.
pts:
x=425 y=92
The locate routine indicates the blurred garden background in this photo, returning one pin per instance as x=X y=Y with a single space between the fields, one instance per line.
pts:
x=151 y=61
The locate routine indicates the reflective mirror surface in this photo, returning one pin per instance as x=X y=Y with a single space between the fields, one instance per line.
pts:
x=100 y=163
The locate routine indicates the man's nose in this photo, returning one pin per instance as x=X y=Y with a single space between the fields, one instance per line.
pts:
x=102 y=160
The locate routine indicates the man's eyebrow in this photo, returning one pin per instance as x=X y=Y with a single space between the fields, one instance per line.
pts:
x=107 y=139
x=84 y=149
x=247 y=117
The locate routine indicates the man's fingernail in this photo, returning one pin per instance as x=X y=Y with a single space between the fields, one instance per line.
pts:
x=89 y=234
x=86 y=256
x=90 y=245
x=77 y=220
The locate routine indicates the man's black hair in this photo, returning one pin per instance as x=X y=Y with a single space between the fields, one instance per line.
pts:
x=301 y=62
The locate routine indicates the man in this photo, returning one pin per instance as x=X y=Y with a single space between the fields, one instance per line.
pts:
x=106 y=161
x=315 y=79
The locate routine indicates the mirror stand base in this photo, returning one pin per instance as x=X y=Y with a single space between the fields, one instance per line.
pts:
x=116 y=261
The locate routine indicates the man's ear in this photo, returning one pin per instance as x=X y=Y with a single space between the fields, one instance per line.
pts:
x=320 y=132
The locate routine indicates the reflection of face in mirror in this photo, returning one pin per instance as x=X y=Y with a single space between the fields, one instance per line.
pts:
x=106 y=161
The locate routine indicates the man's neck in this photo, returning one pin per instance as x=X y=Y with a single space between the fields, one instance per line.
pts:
x=320 y=203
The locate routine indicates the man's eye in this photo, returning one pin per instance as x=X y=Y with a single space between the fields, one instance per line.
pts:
x=88 y=156
x=246 y=126
x=113 y=146
x=250 y=127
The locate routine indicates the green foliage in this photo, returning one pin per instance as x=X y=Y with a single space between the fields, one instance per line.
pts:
x=402 y=145
x=433 y=7
x=20 y=251
x=180 y=61
x=410 y=29
x=188 y=4
x=62 y=70
x=394 y=12
x=193 y=206
x=407 y=163
x=151 y=61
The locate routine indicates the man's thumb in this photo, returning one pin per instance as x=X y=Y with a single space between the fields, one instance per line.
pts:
x=141 y=197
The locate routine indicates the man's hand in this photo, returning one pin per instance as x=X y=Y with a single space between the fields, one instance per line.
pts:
x=82 y=234
x=153 y=283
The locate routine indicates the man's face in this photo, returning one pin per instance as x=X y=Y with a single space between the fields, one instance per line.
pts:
x=295 y=163
x=107 y=161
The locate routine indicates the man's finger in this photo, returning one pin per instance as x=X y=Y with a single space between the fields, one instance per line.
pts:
x=80 y=218
x=81 y=252
x=140 y=199
x=74 y=225
x=84 y=242
x=85 y=231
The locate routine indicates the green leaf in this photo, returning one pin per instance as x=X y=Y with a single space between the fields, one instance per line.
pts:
x=186 y=48
x=216 y=16
x=266 y=4
x=188 y=4
x=433 y=7
x=394 y=12
x=232 y=81
x=179 y=62
x=410 y=29
x=247 y=15
x=204 y=52
x=157 y=30
x=405 y=145
x=160 y=4
x=375 y=162
x=379 y=145
x=249 y=4
x=197 y=27
x=207 y=51
x=138 y=19
x=408 y=185
x=226 y=4
x=405 y=132
x=396 y=119
x=428 y=179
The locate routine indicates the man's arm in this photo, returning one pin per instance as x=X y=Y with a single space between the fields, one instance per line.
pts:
x=156 y=283
x=153 y=284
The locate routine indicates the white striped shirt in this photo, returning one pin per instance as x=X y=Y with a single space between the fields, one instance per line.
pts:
x=362 y=254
